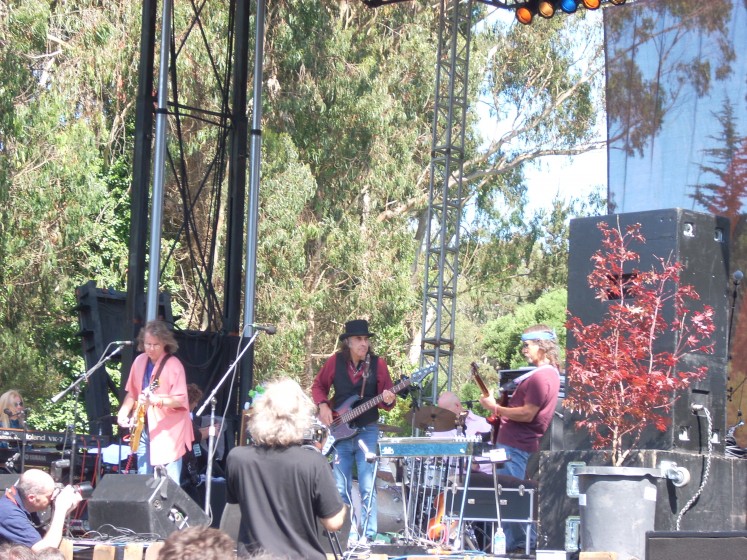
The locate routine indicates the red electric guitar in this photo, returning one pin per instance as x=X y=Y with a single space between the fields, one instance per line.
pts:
x=493 y=420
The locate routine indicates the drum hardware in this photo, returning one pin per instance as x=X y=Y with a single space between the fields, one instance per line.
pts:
x=432 y=418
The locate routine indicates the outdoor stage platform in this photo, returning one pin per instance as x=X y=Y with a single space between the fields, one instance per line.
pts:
x=90 y=550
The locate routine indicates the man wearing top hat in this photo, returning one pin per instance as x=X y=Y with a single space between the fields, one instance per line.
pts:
x=357 y=375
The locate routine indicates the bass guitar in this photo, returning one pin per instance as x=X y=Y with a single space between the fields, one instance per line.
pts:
x=340 y=428
x=137 y=429
x=493 y=420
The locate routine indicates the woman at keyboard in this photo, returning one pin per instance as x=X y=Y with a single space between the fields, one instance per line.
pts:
x=11 y=409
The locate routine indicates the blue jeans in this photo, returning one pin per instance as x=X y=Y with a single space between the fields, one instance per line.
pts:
x=516 y=533
x=347 y=453
x=173 y=470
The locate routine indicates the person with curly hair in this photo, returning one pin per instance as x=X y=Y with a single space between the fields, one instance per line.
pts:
x=157 y=385
x=281 y=486
x=198 y=543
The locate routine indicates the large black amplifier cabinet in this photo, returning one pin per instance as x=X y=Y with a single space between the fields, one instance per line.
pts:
x=700 y=242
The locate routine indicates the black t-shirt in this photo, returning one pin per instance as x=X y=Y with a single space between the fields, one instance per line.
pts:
x=281 y=493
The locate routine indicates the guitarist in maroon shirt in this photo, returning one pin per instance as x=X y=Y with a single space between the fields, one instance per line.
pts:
x=530 y=409
x=357 y=375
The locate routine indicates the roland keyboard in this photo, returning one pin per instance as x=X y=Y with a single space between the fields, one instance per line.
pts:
x=431 y=446
x=52 y=438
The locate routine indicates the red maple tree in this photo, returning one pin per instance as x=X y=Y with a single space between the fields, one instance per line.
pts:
x=621 y=381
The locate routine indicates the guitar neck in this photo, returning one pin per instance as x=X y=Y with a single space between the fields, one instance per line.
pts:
x=483 y=388
x=352 y=414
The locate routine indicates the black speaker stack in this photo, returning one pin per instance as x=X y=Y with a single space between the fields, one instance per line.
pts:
x=700 y=243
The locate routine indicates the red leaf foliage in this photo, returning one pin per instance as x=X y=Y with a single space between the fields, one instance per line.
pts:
x=620 y=382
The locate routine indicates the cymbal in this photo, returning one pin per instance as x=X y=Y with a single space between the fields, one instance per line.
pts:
x=432 y=417
x=388 y=428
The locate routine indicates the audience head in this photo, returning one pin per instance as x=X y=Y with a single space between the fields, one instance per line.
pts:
x=16 y=552
x=50 y=553
x=198 y=543
x=281 y=416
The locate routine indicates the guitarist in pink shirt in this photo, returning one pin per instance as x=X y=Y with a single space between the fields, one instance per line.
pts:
x=157 y=387
x=357 y=375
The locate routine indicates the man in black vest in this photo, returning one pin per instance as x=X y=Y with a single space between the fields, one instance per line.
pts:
x=357 y=375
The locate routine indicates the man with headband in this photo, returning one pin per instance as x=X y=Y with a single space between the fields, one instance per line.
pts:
x=530 y=410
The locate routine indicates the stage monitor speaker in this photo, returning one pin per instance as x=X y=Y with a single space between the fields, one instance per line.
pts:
x=700 y=243
x=685 y=544
x=143 y=504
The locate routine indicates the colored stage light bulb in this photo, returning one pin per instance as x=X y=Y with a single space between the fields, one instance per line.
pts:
x=524 y=15
x=546 y=8
x=568 y=6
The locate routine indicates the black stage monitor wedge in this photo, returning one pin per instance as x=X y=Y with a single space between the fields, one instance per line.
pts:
x=143 y=504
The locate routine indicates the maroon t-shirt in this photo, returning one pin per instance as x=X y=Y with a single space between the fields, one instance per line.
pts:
x=540 y=389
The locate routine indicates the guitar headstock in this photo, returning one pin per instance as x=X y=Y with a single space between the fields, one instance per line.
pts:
x=420 y=374
x=480 y=383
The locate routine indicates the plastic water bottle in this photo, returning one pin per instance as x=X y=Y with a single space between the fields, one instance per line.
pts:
x=499 y=542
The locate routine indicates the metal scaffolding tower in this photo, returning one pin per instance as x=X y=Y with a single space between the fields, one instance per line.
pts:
x=445 y=203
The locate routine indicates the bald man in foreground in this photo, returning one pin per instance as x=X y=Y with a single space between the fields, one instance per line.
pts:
x=35 y=491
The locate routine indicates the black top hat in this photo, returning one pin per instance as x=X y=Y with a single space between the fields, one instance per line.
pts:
x=356 y=327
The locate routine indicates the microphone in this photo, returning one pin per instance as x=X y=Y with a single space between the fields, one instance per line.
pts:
x=9 y=412
x=123 y=342
x=737 y=276
x=370 y=457
x=269 y=329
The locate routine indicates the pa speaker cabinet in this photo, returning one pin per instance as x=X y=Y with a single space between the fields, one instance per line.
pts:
x=143 y=504
x=686 y=544
x=700 y=243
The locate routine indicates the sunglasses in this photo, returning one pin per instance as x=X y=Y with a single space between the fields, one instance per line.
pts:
x=19 y=403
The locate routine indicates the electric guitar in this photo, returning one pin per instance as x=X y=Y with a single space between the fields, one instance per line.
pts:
x=493 y=419
x=137 y=429
x=340 y=428
x=438 y=530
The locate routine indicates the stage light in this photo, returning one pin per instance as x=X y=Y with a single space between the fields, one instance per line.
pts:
x=618 y=2
x=591 y=4
x=569 y=6
x=546 y=8
x=525 y=13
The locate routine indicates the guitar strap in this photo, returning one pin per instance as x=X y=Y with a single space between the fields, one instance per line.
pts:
x=154 y=379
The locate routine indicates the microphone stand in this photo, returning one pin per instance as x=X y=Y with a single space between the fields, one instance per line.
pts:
x=75 y=385
x=25 y=426
x=84 y=377
x=211 y=445
x=211 y=437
